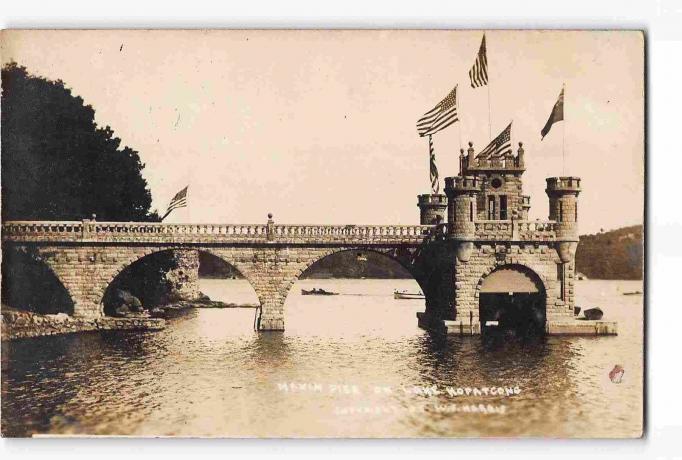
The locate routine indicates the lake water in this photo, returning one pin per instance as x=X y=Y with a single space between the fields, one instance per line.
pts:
x=349 y=365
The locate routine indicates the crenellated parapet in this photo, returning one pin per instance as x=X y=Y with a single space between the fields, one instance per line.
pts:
x=432 y=208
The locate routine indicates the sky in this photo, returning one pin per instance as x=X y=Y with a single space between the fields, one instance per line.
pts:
x=319 y=126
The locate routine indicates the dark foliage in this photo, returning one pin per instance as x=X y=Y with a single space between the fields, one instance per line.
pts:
x=145 y=279
x=617 y=254
x=211 y=266
x=29 y=285
x=57 y=164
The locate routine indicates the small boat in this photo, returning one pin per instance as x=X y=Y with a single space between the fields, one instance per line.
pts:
x=593 y=314
x=576 y=311
x=315 y=291
x=407 y=295
x=633 y=293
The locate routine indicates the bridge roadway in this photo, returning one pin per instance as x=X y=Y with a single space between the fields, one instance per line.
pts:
x=86 y=256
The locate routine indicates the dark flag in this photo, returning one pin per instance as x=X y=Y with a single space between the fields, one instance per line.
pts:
x=479 y=72
x=435 y=184
x=440 y=117
x=499 y=147
x=178 y=201
x=556 y=115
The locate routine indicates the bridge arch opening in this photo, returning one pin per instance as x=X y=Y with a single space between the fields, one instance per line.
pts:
x=29 y=284
x=173 y=275
x=512 y=298
x=353 y=291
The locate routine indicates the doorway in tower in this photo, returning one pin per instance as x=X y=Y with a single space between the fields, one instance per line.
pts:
x=512 y=298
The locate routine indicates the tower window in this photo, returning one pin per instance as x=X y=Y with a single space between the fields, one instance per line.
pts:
x=471 y=211
x=503 y=207
x=496 y=182
x=561 y=211
x=491 y=207
x=576 y=212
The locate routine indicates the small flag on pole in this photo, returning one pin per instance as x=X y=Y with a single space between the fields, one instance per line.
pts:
x=435 y=184
x=178 y=201
x=479 y=72
x=556 y=115
x=440 y=117
x=499 y=147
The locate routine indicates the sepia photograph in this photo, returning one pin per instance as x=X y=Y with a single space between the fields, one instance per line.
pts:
x=376 y=233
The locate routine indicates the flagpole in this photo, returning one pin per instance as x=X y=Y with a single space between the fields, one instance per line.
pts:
x=459 y=123
x=490 y=129
x=563 y=130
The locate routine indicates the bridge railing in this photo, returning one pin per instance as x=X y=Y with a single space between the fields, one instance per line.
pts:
x=90 y=230
x=388 y=233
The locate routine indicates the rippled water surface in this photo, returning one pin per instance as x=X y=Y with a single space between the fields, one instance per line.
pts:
x=359 y=354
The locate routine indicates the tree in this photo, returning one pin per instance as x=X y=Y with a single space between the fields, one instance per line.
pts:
x=57 y=163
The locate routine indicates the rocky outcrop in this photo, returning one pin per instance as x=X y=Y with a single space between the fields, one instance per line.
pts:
x=183 y=278
x=127 y=305
x=201 y=301
x=20 y=324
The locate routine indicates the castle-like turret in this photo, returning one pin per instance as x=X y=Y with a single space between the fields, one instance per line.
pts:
x=462 y=207
x=432 y=208
x=501 y=184
x=563 y=204
x=563 y=208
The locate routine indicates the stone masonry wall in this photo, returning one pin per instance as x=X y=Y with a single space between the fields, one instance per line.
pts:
x=86 y=271
x=484 y=258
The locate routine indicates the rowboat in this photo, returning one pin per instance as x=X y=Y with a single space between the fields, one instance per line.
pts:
x=316 y=291
x=407 y=295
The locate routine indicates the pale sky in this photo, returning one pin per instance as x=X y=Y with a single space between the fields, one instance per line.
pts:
x=319 y=126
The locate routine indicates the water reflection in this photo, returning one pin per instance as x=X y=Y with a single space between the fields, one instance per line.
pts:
x=209 y=374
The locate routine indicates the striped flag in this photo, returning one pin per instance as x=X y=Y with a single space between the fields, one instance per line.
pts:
x=499 y=147
x=479 y=72
x=178 y=201
x=556 y=115
x=435 y=184
x=440 y=117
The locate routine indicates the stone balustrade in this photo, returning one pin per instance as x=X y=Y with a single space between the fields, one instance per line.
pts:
x=92 y=231
x=154 y=232
x=515 y=230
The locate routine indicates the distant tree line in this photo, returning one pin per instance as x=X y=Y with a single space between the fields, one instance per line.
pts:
x=618 y=254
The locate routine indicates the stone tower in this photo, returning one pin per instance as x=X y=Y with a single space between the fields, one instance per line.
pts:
x=462 y=192
x=563 y=209
x=432 y=208
x=501 y=196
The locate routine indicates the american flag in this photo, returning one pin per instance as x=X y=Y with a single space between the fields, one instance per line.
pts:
x=440 y=117
x=178 y=201
x=435 y=184
x=479 y=72
x=500 y=146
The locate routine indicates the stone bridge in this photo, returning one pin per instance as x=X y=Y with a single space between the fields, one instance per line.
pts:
x=86 y=256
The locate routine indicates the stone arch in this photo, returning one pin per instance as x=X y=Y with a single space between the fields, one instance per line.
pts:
x=521 y=267
x=140 y=254
x=512 y=295
x=23 y=268
x=387 y=252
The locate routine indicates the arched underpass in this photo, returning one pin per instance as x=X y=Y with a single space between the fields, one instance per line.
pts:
x=147 y=279
x=28 y=284
x=365 y=282
x=512 y=297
